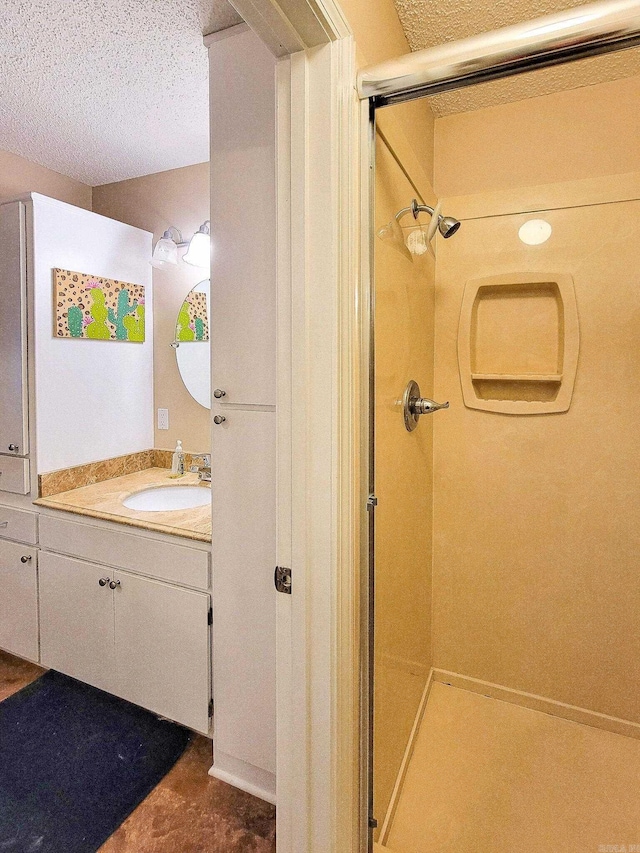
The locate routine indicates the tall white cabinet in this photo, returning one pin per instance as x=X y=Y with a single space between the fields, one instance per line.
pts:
x=14 y=395
x=243 y=316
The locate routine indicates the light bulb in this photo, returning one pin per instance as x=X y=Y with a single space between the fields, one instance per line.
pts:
x=199 y=252
x=165 y=253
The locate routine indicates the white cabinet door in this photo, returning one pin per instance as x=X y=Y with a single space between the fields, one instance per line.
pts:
x=243 y=157
x=244 y=601
x=162 y=649
x=14 y=431
x=76 y=620
x=19 y=600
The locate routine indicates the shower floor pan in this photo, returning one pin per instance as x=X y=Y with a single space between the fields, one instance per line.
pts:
x=486 y=774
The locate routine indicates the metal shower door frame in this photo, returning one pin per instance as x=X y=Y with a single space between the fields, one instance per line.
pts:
x=578 y=33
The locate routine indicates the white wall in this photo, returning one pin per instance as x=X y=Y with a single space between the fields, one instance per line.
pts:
x=94 y=399
x=243 y=343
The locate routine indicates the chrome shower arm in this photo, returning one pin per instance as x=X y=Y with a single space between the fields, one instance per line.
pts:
x=415 y=208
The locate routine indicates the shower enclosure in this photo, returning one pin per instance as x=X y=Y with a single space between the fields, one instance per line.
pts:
x=503 y=649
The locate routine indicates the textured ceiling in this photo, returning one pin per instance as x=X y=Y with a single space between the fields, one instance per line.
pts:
x=103 y=90
x=432 y=22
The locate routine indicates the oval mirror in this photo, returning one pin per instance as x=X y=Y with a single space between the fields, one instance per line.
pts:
x=192 y=344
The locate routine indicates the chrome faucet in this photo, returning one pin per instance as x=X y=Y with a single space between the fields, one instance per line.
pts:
x=202 y=466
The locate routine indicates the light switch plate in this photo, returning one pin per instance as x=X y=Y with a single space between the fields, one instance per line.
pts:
x=163 y=418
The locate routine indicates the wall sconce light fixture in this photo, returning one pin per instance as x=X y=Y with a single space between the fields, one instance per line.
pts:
x=198 y=254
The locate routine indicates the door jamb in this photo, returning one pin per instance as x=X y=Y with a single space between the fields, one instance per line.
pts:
x=320 y=395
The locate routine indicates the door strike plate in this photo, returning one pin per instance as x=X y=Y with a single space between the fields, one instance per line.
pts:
x=282 y=579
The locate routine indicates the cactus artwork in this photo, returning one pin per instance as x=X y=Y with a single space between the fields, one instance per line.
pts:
x=98 y=328
x=193 y=321
x=75 y=321
x=135 y=324
x=184 y=332
x=123 y=309
x=87 y=306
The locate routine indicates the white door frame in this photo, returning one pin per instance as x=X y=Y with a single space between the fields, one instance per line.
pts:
x=321 y=503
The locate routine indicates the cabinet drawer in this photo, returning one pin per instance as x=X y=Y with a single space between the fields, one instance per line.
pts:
x=162 y=560
x=14 y=475
x=19 y=525
x=19 y=600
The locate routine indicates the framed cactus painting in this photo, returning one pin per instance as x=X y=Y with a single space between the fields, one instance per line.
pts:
x=87 y=306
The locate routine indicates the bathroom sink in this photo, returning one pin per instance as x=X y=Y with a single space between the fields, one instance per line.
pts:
x=168 y=498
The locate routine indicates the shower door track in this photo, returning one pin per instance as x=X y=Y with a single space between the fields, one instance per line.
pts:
x=577 y=33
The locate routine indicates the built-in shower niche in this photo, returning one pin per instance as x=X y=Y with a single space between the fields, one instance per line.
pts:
x=518 y=343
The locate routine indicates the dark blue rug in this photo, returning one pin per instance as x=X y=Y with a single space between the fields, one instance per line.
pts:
x=74 y=763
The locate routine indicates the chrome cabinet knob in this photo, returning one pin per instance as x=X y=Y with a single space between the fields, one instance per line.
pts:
x=14 y=448
x=104 y=581
x=219 y=419
x=114 y=584
x=26 y=558
x=218 y=393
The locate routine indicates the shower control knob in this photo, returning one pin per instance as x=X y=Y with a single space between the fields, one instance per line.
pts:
x=413 y=405
x=218 y=393
x=424 y=406
x=219 y=419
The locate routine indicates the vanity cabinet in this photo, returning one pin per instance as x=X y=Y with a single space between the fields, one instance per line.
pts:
x=162 y=648
x=76 y=620
x=19 y=599
x=142 y=639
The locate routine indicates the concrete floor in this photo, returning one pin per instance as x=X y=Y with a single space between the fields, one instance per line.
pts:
x=486 y=775
x=188 y=812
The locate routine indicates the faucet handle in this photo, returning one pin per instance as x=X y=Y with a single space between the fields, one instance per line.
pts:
x=204 y=460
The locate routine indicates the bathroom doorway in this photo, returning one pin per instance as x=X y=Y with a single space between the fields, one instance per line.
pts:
x=504 y=654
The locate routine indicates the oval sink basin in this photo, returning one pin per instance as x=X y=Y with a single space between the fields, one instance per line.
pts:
x=168 y=498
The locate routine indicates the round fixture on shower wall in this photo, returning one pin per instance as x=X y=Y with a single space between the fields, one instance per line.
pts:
x=534 y=232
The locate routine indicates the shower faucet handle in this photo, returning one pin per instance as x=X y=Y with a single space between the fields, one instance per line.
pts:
x=413 y=405
x=424 y=406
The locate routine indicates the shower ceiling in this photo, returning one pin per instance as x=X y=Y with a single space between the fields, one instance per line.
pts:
x=107 y=90
x=431 y=22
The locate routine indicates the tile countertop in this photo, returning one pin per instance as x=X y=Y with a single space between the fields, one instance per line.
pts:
x=104 y=500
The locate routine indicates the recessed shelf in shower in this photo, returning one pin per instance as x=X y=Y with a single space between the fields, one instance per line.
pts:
x=518 y=343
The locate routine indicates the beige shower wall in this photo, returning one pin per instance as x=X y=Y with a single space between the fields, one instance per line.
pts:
x=19 y=176
x=177 y=197
x=572 y=135
x=536 y=518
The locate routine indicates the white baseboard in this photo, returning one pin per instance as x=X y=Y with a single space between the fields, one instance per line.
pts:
x=539 y=703
x=397 y=788
x=253 y=780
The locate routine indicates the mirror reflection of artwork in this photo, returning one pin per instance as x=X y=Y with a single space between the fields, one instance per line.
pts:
x=192 y=345
x=193 y=318
x=87 y=306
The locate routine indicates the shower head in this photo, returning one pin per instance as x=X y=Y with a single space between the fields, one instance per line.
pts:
x=448 y=226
